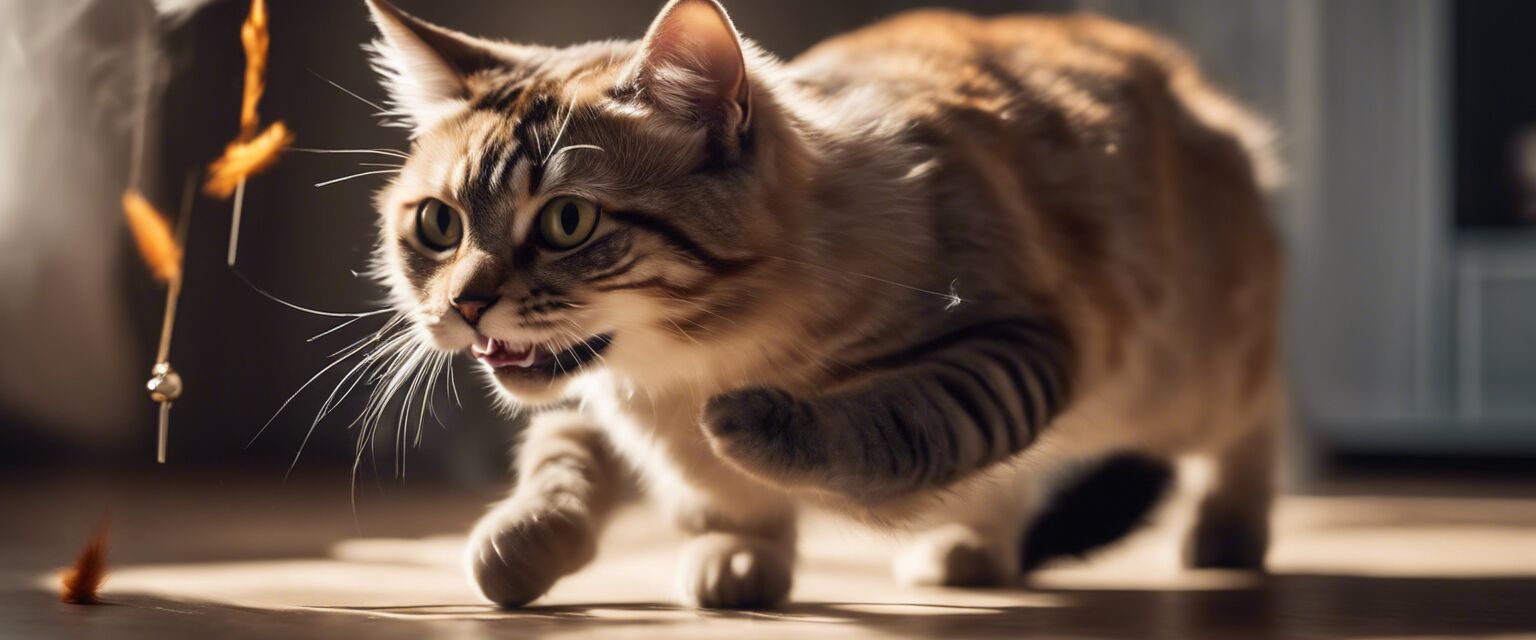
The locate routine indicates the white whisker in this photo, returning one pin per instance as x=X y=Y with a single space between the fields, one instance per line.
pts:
x=347 y=91
x=383 y=152
x=301 y=389
x=419 y=381
x=328 y=183
x=570 y=110
x=952 y=297
x=432 y=368
x=334 y=329
x=332 y=401
x=452 y=385
x=297 y=307
x=394 y=374
x=575 y=147
x=680 y=330
x=577 y=332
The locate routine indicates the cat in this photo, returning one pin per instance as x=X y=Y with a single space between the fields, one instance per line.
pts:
x=980 y=279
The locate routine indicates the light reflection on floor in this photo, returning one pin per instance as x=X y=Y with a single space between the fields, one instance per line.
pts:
x=1366 y=566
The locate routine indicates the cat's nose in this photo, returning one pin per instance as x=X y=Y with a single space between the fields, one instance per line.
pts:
x=473 y=306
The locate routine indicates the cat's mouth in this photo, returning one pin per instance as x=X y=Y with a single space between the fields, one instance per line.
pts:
x=535 y=359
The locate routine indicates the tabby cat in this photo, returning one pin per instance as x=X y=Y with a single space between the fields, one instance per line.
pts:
x=984 y=279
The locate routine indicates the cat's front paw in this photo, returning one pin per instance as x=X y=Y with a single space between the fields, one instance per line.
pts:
x=728 y=571
x=763 y=431
x=518 y=551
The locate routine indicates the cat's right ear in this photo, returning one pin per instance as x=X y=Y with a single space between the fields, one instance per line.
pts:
x=691 y=64
x=428 y=70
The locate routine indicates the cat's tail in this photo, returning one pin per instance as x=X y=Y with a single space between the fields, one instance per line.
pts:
x=1101 y=507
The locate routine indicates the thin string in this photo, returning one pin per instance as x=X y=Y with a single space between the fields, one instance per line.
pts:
x=137 y=141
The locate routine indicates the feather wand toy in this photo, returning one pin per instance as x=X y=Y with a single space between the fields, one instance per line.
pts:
x=163 y=254
x=251 y=152
x=161 y=251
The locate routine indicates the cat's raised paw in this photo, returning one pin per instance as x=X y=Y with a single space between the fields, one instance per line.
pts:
x=517 y=552
x=728 y=571
x=761 y=430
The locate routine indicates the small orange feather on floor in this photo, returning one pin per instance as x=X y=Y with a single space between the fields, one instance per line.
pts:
x=83 y=581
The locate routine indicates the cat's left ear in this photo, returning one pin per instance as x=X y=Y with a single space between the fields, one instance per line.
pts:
x=691 y=65
x=427 y=69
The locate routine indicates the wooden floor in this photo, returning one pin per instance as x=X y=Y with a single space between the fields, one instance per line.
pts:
x=240 y=555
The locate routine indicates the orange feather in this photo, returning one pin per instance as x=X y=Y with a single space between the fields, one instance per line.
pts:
x=82 y=581
x=244 y=158
x=257 y=40
x=153 y=234
x=251 y=152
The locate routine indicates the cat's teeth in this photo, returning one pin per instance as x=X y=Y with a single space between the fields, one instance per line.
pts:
x=500 y=353
x=484 y=345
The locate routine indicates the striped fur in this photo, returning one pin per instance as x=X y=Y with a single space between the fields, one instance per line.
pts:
x=919 y=418
x=919 y=274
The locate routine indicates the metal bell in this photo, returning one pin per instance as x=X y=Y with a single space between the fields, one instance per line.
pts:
x=164 y=384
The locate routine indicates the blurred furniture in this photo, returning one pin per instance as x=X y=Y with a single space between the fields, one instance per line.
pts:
x=1412 y=326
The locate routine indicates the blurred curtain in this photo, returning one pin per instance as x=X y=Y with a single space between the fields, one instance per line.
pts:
x=69 y=72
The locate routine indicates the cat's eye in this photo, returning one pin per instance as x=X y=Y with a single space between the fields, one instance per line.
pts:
x=566 y=222
x=439 y=227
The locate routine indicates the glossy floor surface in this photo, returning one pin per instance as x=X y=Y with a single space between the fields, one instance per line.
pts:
x=236 y=555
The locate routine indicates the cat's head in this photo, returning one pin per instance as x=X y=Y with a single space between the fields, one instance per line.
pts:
x=567 y=209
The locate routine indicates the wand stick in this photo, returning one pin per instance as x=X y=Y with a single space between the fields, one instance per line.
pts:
x=234 y=222
x=173 y=294
x=165 y=384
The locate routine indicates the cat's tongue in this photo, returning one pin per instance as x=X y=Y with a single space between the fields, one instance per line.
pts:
x=498 y=354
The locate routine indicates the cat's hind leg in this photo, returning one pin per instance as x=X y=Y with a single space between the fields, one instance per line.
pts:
x=976 y=544
x=1013 y=525
x=1231 y=529
x=1093 y=507
x=548 y=527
